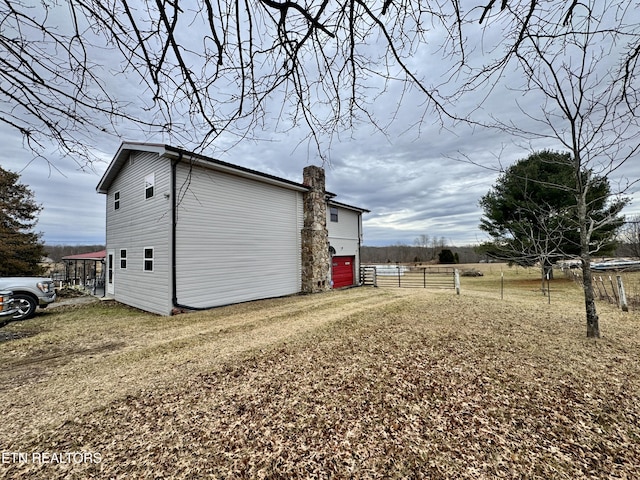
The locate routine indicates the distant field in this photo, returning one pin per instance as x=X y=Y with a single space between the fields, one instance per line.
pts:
x=498 y=278
x=357 y=383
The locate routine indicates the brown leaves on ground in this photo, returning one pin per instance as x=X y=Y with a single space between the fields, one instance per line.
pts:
x=428 y=386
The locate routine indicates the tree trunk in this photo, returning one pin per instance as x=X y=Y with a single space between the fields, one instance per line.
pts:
x=593 y=325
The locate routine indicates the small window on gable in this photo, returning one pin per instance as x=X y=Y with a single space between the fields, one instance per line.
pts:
x=148 y=259
x=116 y=201
x=149 y=182
x=334 y=214
x=123 y=258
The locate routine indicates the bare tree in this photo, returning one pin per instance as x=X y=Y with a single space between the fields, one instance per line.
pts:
x=580 y=65
x=196 y=70
x=538 y=237
x=630 y=236
x=422 y=242
x=530 y=212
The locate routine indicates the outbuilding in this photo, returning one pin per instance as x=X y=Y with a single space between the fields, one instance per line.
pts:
x=187 y=232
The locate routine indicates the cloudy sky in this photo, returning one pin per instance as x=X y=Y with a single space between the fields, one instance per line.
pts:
x=414 y=181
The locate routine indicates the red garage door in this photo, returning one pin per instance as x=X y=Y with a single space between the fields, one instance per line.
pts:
x=342 y=271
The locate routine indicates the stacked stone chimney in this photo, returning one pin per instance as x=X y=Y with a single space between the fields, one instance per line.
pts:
x=315 y=237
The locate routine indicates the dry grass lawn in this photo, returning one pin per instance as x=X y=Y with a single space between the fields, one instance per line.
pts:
x=360 y=383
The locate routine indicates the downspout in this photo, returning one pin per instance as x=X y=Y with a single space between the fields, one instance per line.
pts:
x=359 y=249
x=174 y=224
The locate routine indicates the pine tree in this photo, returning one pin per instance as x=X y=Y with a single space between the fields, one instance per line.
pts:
x=446 y=256
x=531 y=211
x=20 y=247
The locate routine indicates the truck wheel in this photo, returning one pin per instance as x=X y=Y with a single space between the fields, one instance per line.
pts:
x=26 y=306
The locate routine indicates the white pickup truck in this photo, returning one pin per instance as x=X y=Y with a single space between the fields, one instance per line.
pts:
x=7 y=310
x=28 y=294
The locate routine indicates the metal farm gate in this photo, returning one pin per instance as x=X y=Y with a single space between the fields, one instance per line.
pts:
x=410 y=276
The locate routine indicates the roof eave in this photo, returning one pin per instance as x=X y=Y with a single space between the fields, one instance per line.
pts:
x=121 y=156
x=177 y=153
x=232 y=169
x=348 y=207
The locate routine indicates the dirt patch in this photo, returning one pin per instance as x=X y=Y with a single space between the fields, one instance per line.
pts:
x=73 y=301
x=7 y=336
x=40 y=365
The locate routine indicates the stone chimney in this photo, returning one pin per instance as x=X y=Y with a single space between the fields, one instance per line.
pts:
x=315 y=237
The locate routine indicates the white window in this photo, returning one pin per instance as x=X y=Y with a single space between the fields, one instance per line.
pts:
x=148 y=259
x=123 y=258
x=116 y=201
x=334 y=214
x=149 y=182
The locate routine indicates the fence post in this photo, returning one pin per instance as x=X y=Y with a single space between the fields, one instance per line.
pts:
x=548 y=289
x=456 y=276
x=623 y=297
x=613 y=289
x=606 y=294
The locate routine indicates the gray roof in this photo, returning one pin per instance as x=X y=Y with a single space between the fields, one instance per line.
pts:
x=175 y=153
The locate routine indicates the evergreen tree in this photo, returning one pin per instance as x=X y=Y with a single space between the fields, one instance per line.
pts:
x=20 y=248
x=531 y=212
x=446 y=256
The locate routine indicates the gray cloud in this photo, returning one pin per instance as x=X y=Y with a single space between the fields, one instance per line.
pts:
x=408 y=177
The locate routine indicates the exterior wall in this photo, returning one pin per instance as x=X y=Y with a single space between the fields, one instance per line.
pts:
x=236 y=240
x=344 y=235
x=238 y=237
x=140 y=223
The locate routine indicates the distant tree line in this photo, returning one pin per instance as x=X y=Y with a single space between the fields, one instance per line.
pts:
x=418 y=254
x=403 y=253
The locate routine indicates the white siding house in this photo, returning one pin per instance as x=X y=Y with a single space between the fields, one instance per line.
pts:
x=344 y=224
x=185 y=231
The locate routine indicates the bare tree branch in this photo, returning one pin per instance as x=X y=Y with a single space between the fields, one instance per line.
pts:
x=587 y=109
x=196 y=70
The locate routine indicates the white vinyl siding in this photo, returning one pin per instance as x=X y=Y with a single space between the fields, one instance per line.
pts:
x=237 y=239
x=238 y=234
x=141 y=223
x=344 y=235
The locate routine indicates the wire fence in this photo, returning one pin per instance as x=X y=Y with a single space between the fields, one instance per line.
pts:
x=619 y=288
